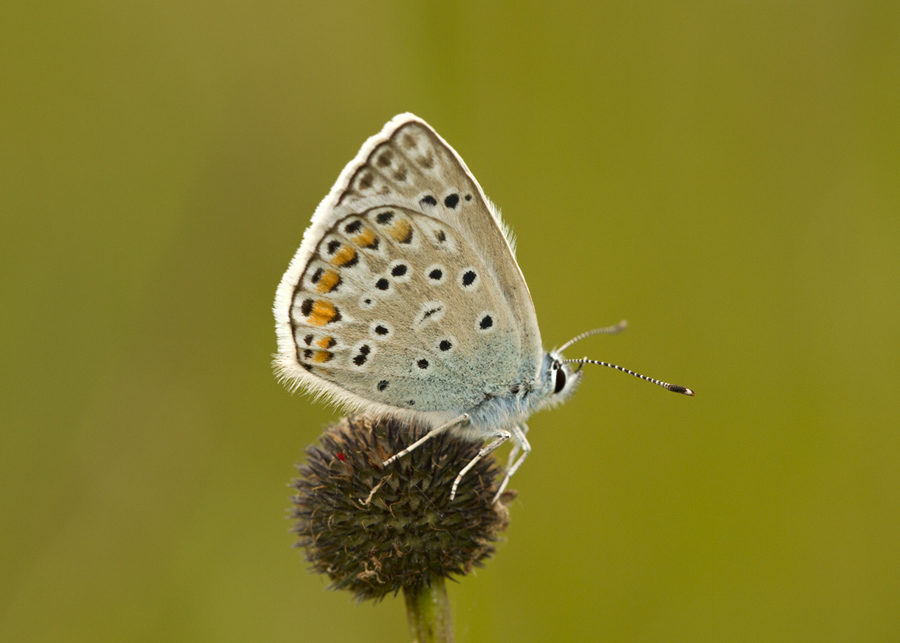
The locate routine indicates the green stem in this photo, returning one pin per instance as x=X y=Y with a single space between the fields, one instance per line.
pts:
x=428 y=613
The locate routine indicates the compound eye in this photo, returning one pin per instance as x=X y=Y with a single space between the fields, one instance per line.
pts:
x=560 y=380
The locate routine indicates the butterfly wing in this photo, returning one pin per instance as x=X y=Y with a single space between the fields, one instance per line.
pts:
x=405 y=294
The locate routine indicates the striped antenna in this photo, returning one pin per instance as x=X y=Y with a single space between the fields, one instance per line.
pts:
x=608 y=330
x=670 y=387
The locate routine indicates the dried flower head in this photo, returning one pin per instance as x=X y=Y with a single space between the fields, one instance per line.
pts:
x=375 y=530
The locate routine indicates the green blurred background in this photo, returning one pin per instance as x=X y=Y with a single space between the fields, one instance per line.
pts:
x=726 y=176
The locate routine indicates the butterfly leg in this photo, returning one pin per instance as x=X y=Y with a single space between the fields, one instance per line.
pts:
x=462 y=420
x=521 y=441
x=517 y=446
x=502 y=436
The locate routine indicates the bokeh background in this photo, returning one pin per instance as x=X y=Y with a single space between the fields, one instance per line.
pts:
x=725 y=175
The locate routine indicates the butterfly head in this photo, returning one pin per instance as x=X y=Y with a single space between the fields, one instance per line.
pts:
x=558 y=379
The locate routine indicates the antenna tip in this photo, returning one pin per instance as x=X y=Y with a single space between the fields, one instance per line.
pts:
x=681 y=389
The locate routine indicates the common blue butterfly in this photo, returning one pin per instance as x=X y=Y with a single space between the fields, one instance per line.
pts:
x=405 y=299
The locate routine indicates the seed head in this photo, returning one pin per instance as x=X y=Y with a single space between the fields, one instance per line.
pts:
x=374 y=530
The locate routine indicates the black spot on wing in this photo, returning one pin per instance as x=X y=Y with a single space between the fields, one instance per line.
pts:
x=360 y=358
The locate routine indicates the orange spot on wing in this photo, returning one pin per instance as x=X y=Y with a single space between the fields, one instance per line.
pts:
x=365 y=238
x=323 y=312
x=343 y=256
x=322 y=356
x=325 y=342
x=401 y=231
x=328 y=281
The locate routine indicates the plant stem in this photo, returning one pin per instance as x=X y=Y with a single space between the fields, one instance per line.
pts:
x=428 y=613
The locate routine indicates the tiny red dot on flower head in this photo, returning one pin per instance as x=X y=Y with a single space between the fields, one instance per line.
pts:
x=340 y=456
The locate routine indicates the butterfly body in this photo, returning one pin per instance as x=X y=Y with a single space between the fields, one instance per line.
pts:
x=405 y=299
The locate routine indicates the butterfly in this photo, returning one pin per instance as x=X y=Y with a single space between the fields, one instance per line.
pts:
x=405 y=299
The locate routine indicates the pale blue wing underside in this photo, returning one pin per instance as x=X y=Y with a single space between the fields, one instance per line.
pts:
x=362 y=315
